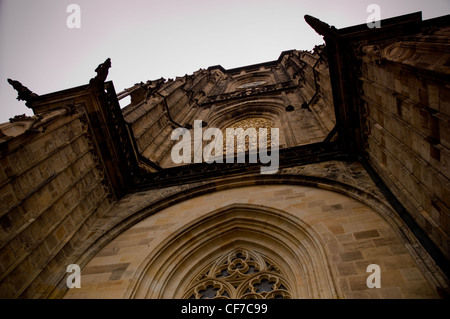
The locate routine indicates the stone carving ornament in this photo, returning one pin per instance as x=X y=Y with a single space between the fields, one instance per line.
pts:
x=241 y=274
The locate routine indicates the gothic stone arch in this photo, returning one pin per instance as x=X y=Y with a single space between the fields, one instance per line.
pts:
x=271 y=109
x=322 y=239
x=297 y=251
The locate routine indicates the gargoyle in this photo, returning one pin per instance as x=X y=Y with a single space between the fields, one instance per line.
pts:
x=321 y=27
x=102 y=73
x=24 y=94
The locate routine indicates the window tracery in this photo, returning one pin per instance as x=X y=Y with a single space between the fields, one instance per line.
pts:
x=252 y=123
x=241 y=274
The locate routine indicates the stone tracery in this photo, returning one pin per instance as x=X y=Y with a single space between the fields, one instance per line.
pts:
x=250 y=123
x=241 y=274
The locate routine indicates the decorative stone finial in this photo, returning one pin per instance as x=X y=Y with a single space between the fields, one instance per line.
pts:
x=24 y=94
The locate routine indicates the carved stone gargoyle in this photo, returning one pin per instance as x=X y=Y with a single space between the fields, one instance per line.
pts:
x=24 y=94
x=321 y=27
x=102 y=73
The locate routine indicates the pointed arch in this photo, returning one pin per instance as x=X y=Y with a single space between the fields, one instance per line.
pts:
x=170 y=270
x=166 y=223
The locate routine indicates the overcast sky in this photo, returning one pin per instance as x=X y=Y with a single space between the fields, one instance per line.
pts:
x=149 y=39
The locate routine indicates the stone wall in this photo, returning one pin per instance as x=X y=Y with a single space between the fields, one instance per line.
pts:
x=407 y=120
x=52 y=189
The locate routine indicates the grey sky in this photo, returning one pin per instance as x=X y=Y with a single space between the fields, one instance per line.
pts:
x=148 y=39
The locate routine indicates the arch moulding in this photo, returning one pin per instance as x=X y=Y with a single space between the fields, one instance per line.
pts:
x=298 y=251
x=148 y=206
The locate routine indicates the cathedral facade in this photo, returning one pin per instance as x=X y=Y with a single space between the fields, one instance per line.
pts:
x=356 y=204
